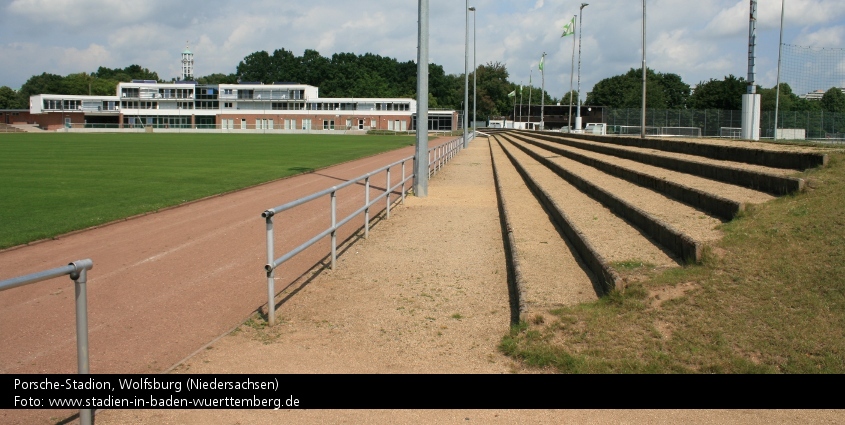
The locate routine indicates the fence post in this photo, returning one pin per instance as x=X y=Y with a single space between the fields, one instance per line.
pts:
x=334 y=228
x=403 y=182
x=367 y=210
x=388 y=193
x=80 y=279
x=271 y=272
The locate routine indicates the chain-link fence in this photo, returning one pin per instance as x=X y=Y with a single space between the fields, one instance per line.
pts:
x=718 y=123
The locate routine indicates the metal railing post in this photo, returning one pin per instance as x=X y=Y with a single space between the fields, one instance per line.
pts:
x=334 y=228
x=367 y=210
x=80 y=280
x=388 y=193
x=271 y=273
x=430 y=171
x=403 y=182
x=78 y=272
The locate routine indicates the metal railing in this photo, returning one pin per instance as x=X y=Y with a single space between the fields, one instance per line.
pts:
x=437 y=158
x=78 y=272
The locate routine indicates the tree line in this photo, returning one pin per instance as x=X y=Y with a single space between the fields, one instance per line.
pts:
x=668 y=91
x=370 y=75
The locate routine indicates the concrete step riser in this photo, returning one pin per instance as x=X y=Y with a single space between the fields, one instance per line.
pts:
x=680 y=244
x=776 y=185
x=774 y=159
x=605 y=274
x=713 y=204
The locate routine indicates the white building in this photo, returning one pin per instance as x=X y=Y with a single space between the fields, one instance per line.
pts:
x=186 y=104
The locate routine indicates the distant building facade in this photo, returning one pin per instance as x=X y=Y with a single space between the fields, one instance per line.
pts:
x=245 y=106
x=186 y=104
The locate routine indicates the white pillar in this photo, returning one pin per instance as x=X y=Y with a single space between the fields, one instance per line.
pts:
x=751 y=117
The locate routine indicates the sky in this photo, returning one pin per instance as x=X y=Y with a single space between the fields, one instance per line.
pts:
x=696 y=39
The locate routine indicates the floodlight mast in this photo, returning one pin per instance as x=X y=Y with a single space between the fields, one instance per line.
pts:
x=421 y=149
x=642 y=121
x=466 y=72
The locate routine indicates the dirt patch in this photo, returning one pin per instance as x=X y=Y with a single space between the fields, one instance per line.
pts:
x=661 y=295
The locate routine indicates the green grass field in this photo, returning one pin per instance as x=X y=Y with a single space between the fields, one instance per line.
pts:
x=57 y=183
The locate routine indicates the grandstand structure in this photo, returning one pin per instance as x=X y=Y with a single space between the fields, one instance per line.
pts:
x=187 y=104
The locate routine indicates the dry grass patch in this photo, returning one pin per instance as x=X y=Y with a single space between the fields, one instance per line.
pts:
x=768 y=298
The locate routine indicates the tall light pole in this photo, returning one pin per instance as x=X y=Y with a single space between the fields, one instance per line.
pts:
x=642 y=127
x=474 y=75
x=421 y=148
x=571 y=75
x=578 y=111
x=751 y=100
x=780 y=52
x=466 y=73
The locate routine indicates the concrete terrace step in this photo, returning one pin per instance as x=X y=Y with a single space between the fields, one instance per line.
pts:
x=775 y=181
x=546 y=271
x=598 y=235
x=8 y=128
x=720 y=199
x=680 y=244
x=786 y=157
x=28 y=128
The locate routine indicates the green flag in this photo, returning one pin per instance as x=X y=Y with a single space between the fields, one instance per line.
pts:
x=542 y=59
x=520 y=89
x=569 y=28
x=512 y=94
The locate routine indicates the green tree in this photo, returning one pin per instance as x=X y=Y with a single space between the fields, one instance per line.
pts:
x=493 y=88
x=833 y=100
x=85 y=84
x=663 y=91
x=714 y=94
x=125 y=75
x=41 y=84
x=787 y=101
x=9 y=99
x=256 y=67
x=218 y=79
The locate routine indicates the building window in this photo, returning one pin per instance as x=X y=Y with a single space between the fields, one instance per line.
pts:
x=228 y=105
x=328 y=124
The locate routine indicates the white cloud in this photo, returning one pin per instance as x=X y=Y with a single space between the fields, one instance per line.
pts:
x=831 y=37
x=696 y=40
x=730 y=22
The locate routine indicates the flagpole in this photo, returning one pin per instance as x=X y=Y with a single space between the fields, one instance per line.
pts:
x=580 y=30
x=520 y=101
x=571 y=75
x=529 y=95
x=543 y=92
x=571 y=31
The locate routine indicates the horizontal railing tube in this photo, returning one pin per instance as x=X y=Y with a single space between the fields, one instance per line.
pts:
x=437 y=158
